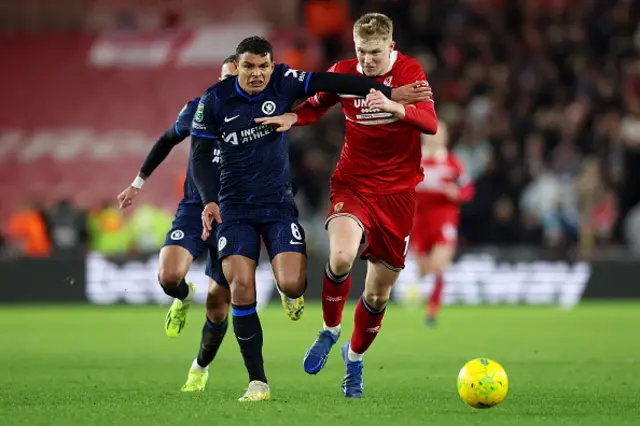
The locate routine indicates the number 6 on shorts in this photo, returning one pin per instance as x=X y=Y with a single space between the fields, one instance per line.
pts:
x=295 y=231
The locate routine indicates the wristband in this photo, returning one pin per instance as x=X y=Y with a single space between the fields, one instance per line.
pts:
x=137 y=182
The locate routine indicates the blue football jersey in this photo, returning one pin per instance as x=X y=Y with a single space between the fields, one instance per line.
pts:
x=182 y=127
x=254 y=166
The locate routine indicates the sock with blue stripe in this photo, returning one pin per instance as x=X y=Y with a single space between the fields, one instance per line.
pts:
x=246 y=326
x=212 y=335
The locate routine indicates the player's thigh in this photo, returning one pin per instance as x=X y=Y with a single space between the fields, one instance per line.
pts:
x=174 y=263
x=286 y=245
x=239 y=251
x=347 y=225
x=346 y=233
x=422 y=243
x=182 y=245
x=218 y=302
x=379 y=282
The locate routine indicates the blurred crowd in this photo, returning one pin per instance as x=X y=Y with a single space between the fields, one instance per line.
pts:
x=65 y=229
x=542 y=99
x=542 y=102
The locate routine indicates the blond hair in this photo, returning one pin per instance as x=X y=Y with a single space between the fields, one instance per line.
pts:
x=374 y=26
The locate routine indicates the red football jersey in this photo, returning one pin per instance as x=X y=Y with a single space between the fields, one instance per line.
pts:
x=431 y=200
x=381 y=153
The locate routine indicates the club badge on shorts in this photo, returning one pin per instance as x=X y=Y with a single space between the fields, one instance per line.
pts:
x=338 y=207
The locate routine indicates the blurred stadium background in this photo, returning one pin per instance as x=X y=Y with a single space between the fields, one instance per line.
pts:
x=542 y=99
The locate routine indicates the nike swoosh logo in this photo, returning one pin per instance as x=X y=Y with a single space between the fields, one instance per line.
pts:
x=248 y=338
x=228 y=119
x=295 y=242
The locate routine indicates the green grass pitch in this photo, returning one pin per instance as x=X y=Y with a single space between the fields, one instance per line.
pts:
x=90 y=365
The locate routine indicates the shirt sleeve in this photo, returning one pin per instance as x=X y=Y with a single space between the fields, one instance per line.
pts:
x=314 y=108
x=422 y=115
x=204 y=133
x=202 y=168
x=293 y=82
x=349 y=84
x=204 y=124
x=182 y=125
x=161 y=150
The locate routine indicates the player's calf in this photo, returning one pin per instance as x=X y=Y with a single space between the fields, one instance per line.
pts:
x=290 y=272
x=240 y=273
x=371 y=308
x=439 y=260
x=215 y=326
x=345 y=234
x=175 y=262
x=213 y=332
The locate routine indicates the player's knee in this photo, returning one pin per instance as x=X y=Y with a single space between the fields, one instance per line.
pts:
x=242 y=292
x=341 y=261
x=292 y=286
x=376 y=299
x=439 y=267
x=218 y=303
x=424 y=267
x=170 y=277
x=217 y=313
x=440 y=262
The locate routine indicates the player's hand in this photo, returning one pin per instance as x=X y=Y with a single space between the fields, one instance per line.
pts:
x=210 y=213
x=452 y=191
x=126 y=197
x=419 y=91
x=282 y=122
x=377 y=99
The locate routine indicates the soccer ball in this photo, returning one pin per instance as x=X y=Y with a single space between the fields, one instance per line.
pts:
x=482 y=383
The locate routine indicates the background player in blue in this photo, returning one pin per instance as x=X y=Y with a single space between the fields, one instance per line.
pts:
x=255 y=194
x=184 y=244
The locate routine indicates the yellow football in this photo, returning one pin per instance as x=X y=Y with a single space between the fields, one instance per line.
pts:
x=482 y=383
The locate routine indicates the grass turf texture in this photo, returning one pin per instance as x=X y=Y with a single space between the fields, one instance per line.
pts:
x=114 y=366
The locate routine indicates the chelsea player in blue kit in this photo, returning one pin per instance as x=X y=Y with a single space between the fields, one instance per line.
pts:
x=184 y=244
x=255 y=195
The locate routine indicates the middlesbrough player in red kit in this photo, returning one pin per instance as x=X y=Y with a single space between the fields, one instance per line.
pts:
x=435 y=227
x=372 y=191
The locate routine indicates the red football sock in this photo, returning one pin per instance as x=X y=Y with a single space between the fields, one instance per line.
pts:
x=335 y=290
x=435 y=300
x=366 y=325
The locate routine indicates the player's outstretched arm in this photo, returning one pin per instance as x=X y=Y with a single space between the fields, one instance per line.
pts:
x=202 y=169
x=421 y=115
x=156 y=156
x=358 y=85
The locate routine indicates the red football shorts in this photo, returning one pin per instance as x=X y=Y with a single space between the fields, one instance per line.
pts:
x=386 y=220
x=430 y=232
